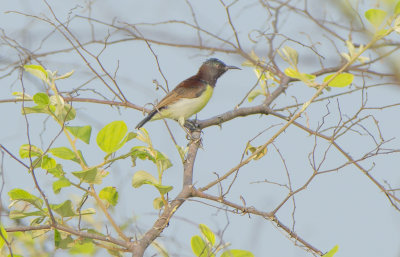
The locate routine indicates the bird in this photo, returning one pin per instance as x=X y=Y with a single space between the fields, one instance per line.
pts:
x=190 y=96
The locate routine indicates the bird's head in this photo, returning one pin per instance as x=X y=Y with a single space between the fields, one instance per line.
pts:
x=213 y=68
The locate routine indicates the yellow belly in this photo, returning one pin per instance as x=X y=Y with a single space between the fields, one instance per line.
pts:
x=184 y=108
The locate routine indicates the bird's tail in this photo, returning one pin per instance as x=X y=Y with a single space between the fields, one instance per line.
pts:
x=146 y=119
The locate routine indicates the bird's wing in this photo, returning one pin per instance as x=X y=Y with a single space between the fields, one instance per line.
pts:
x=189 y=88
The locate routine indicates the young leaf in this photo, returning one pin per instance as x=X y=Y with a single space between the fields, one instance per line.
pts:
x=142 y=177
x=397 y=8
x=91 y=176
x=63 y=153
x=41 y=99
x=83 y=133
x=182 y=151
x=48 y=163
x=66 y=75
x=57 y=238
x=162 y=161
x=38 y=109
x=57 y=171
x=86 y=248
x=162 y=189
x=143 y=153
x=208 y=234
x=4 y=235
x=37 y=71
x=306 y=78
x=64 y=209
x=22 y=195
x=237 y=253
x=332 y=251
x=25 y=149
x=341 y=80
x=289 y=55
x=130 y=136
x=254 y=93
x=61 y=183
x=21 y=95
x=252 y=149
x=65 y=242
x=376 y=17
x=158 y=203
x=21 y=214
x=199 y=247
x=144 y=136
x=110 y=194
x=66 y=113
x=112 y=136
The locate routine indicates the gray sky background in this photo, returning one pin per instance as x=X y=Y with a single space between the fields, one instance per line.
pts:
x=342 y=208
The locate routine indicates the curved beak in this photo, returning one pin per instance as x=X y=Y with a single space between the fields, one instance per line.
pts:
x=232 y=68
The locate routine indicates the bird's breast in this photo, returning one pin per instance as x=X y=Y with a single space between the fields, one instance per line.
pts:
x=186 y=107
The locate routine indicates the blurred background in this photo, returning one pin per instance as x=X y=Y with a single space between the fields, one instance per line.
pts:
x=106 y=48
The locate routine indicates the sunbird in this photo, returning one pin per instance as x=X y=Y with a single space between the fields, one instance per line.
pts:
x=191 y=95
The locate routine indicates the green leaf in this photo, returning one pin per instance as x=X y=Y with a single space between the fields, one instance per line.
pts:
x=37 y=71
x=22 y=214
x=130 y=136
x=110 y=194
x=61 y=183
x=63 y=153
x=83 y=133
x=25 y=149
x=37 y=109
x=208 y=234
x=65 y=242
x=306 y=78
x=4 y=235
x=182 y=151
x=66 y=75
x=41 y=99
x=64 y=209
x=162 y=161
x=397 y=8
x=252 y=149
x=151 y=154
x=57 y=171
x=376 y=17
x=85 y=248
x=81 y=158
x=289 y=55
x=142 y=177
x=163 y=189
x=332 y=251
x=67 y=113
x=143 y=153
x=158 y=203
x=112 y=136
x=91 y=176
x=341 y=80
x=48 y=163
x=237 y=253
x=253 y=94
x=144 y=136
x=88 y=211
x=57 y=238
x=36 y=163
x=22 y=195
x=22 y=95
x=199 y=247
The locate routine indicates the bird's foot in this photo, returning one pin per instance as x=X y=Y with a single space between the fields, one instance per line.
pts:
x=191 y=125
